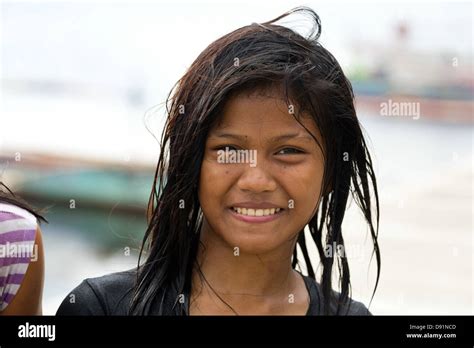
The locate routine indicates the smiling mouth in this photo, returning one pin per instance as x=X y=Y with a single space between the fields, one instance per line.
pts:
x=256 y=212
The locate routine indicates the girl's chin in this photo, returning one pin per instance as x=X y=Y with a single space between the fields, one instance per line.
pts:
x=249 y=247
x=251 y=240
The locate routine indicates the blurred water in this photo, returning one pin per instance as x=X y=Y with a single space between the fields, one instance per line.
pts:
x=425 y=178
x=417 y=151
x=70 y=258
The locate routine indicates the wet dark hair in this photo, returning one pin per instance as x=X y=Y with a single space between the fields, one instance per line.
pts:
x=257 y=56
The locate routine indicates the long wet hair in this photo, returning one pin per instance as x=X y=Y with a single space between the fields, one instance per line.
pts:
x=260 y=55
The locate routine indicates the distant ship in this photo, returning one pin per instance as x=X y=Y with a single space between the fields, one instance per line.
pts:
x=397 y=81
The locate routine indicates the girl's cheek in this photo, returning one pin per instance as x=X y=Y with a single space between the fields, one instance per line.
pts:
x=218 y=175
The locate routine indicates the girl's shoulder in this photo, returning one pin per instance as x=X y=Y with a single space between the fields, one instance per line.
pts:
x=350 y=308
x=106 y=295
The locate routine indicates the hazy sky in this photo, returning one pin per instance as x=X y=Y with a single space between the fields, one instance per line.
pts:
x=143 y=41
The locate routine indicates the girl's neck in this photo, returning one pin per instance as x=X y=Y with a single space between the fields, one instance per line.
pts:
x=264 y=284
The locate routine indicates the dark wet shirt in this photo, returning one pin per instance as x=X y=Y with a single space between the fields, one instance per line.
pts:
x=111 y=295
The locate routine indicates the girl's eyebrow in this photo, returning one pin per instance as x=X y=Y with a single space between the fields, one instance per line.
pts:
x=273 y=139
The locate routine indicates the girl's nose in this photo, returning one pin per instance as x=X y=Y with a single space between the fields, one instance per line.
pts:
x=256 y=179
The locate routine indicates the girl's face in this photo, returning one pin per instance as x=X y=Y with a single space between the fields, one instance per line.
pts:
x=259 y=160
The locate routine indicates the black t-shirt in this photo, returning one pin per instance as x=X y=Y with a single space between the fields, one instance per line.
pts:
x=111 y=295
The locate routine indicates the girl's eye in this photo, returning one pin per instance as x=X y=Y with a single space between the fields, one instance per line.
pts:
x=290 y=151
x=226 y=148
x=285 y=151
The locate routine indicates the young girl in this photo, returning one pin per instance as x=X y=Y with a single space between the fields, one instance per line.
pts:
x=262 y=141
x=21 y=257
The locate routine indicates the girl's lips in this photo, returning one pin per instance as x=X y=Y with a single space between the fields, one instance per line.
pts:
x=255 y=219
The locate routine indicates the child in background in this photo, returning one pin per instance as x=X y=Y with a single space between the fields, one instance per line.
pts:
x=21 y=258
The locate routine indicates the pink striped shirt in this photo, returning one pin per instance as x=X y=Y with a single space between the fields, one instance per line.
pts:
x=17 y=249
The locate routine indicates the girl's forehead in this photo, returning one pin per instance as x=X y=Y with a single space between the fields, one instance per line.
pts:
x=249 y=109
x=262 y=114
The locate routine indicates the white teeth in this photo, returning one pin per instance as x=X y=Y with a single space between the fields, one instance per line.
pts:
x=256 y=212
